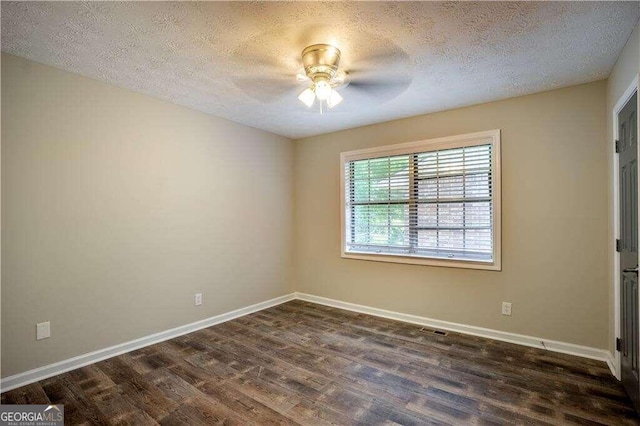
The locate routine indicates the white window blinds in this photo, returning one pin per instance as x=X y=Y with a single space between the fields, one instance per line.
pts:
x=433 y=204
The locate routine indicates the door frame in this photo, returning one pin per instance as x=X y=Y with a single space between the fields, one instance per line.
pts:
x=622 y=101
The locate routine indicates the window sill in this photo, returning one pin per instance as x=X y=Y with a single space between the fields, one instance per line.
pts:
x=396 y=258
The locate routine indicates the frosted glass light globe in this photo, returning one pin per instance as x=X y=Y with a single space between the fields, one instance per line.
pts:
x=323 y=90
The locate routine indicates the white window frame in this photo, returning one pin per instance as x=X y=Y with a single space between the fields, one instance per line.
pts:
x=471 y=139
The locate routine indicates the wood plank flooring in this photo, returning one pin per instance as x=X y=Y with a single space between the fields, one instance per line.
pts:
x=302 y=363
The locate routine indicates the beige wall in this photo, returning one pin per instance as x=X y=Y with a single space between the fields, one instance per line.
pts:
x=622 y=75
x=118 y=207
x=555 y=217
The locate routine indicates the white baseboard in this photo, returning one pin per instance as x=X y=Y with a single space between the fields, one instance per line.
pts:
x=37 y=374
x=519 y=339
x=613 y=361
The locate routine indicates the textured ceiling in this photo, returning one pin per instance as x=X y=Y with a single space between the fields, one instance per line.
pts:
x=238 y=60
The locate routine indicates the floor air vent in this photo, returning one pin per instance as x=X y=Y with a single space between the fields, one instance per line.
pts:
x=438 y=332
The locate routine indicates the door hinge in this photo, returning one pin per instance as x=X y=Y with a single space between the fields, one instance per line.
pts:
x=618 y=344
x=617 y=146
x=618 y=246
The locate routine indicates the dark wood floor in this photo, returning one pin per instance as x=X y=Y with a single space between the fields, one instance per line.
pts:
x=301 y=363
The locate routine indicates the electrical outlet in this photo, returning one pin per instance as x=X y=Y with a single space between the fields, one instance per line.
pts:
x=197 y=300
x=43 y=330
x=506 y=308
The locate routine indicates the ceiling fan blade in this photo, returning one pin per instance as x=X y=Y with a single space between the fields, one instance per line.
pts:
x=267 y=90
x=388 y=58
x=248 y=65
x=384 y=79
x=267 y=52
x=379 y=89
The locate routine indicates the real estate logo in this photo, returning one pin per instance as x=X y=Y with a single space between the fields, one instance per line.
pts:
x=32 y=415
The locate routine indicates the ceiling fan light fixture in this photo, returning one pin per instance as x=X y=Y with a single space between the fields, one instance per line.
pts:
x=307 y=96
x=334 y=99
x=323 y=89
x=320 y=68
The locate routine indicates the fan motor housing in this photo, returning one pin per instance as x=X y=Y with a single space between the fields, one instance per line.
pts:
x=321 y=61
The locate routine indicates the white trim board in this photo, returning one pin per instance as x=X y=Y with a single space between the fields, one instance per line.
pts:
x=518 y=339
x=37 y=374
x=41 y=373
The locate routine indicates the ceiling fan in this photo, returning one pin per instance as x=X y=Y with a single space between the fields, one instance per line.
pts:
x=371 y=70
x=321 y=72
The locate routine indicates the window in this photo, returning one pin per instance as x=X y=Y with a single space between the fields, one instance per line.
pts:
x=434 y=202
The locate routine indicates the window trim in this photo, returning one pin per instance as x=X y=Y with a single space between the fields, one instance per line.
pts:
x=458 y=141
